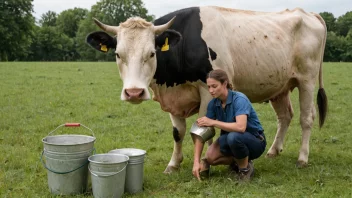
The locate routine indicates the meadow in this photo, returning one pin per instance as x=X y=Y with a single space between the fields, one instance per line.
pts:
x=36 y=97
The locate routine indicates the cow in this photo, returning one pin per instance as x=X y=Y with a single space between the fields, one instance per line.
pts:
x=265 y=54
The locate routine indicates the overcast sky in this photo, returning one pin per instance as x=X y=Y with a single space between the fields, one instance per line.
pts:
x=162 y=7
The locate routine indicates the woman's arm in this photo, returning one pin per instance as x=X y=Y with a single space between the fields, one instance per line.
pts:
x=198 y=148
x=239 y=126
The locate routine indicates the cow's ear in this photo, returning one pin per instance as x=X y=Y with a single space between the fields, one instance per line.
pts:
x=101 y=41
x=167 y=40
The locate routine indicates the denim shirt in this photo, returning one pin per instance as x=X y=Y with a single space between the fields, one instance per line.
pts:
x=236 y=104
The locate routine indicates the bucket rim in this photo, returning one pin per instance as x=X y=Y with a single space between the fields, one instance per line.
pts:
x=106 y=163
x=72 y=135
x=142 y=152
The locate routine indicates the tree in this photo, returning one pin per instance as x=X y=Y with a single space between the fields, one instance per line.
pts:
x=334 y=47
x=49 y=44
x=68 y=20
x=67 y=23
x=344 y=24
x=111 y=12
x=330 y=20
x=48 y=19
x=347 y=55
x=16 y=26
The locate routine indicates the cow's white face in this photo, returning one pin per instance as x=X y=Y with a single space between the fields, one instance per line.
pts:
x=135 y=54
x=136 y=60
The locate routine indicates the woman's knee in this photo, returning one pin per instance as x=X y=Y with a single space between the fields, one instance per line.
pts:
x=211 y=156
x=234 y=137
x=213 y=153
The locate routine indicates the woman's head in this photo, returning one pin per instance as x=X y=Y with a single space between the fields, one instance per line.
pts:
x=218 y=82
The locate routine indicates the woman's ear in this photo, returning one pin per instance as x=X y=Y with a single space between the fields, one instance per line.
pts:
x=225 y=84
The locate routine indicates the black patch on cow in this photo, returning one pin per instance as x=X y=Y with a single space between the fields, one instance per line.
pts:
x=99 y=38
x=188 y=60
x=212 y=54
x=176 y=135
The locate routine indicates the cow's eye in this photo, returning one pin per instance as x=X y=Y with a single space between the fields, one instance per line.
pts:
x=117 y=55
x=152 y=55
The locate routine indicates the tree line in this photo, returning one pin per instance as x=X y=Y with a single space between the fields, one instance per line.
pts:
x=61 y=36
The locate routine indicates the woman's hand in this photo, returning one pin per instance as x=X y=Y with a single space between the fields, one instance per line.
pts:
x=205 y=121
x=196 y=170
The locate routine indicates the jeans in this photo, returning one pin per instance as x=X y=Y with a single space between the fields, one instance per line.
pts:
x=240 y=145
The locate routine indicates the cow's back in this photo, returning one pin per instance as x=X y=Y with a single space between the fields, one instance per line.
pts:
x=263 y=52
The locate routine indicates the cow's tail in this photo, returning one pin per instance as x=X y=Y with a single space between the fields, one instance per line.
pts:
x=322 y=100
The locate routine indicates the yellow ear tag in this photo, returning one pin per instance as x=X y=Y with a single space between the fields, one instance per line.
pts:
x=165 y=47
x=103 y=48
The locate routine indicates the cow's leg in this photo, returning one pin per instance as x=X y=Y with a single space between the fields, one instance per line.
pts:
x=283 y=108
x=179 y=129
x=307 y=108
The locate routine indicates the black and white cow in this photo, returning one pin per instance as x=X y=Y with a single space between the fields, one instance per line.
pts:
x=266 y=55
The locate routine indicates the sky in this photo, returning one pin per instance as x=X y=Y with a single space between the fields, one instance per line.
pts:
x=162 y=7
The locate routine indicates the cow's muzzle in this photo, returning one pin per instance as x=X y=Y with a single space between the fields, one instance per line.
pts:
x=134 y=95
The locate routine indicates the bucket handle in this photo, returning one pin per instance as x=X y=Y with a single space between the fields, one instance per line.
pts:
x=71 y=125
x=107 y=175
x=53 y=171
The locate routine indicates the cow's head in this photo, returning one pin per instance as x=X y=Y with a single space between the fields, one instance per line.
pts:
x=135 y=48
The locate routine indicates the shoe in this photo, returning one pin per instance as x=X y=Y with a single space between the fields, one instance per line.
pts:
x=246 y=174
x=205 y=170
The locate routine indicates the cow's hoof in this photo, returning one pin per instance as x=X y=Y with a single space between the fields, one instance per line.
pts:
x=301 y=164
x=171 y=169
x=271 y=155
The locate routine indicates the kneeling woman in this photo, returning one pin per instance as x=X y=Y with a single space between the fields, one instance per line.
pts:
x=242 y=137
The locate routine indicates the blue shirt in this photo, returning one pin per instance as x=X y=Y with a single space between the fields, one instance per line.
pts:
x=236 y=104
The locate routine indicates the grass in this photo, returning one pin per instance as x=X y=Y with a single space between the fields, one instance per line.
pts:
x=35 y=98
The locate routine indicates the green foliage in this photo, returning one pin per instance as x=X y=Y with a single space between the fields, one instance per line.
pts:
x=338 y=43
x=113 y=12
x=334 y=47
x=51 y=45
x=38 y=97
x=16 y=25
x=344 y=24
x=347 y=54
x=330 y=21
x=48 y=19
x=68 y=20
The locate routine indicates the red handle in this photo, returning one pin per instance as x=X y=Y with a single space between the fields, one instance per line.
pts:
x=72 y=124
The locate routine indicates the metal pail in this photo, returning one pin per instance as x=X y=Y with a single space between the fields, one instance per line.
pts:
x=108 y=172
x=206 y=133
x=135 y=169
x=66 y=161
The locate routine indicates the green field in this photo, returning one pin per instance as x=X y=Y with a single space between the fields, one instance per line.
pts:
x=35 y=98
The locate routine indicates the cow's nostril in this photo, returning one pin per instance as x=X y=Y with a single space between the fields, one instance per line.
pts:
x=126 y=93
x=141 y=94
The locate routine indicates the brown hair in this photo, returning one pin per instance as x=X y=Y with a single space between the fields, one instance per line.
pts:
x=221 y=76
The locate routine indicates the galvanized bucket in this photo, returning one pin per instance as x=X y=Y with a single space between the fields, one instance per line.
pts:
x=108 y=172
x=66 y=161
x=134 y=175
x=205 y=133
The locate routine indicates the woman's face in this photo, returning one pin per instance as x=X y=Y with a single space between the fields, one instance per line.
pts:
x=215 y=87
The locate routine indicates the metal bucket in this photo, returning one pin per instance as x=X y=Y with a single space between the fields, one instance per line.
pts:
x=66 y=161
x=205 y=133
x=134 y=175
x=108 y=172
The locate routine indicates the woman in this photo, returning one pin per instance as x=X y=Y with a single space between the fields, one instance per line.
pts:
x=242 y=137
